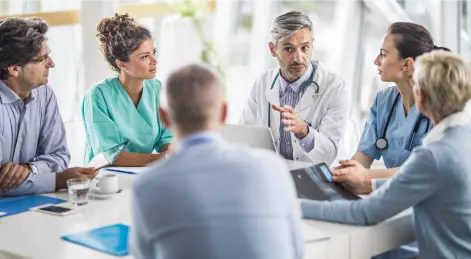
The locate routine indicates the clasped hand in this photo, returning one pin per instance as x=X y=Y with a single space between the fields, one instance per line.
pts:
x=353 y=176
x=13 y=175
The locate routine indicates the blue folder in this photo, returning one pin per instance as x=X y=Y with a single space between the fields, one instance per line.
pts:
x=111 y=239
x=15 y=205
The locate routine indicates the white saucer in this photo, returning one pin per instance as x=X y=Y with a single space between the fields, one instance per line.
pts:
x=99 y=195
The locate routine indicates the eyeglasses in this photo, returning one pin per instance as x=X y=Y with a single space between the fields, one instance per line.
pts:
x=42 y=58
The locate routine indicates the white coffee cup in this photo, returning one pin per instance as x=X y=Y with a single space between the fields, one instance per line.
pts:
x=105 y=184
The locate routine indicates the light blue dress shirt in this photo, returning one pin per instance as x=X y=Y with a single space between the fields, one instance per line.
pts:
x=399 y=132
x=213 y=200
x=32 y=131
x=290 y=94
x=435 y=181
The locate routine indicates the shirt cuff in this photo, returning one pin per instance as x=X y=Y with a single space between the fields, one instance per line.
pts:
x=43 y=183
x=378 y=182
x=34 y=184
x=307 y=143
x=310 y=209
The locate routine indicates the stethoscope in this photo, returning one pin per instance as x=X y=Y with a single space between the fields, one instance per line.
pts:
x=382 y=143
x=304 y=84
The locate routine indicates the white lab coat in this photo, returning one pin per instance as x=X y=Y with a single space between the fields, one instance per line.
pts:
x=327 y=112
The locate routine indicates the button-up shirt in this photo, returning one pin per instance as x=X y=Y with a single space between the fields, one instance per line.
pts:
x=290 y=94
x=230 y=203
x=32 y=132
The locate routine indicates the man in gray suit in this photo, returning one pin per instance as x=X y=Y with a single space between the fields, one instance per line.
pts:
x=211 y=199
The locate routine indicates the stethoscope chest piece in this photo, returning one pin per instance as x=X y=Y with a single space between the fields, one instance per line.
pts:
x=381 y=143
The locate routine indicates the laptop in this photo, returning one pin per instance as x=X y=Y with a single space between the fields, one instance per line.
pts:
x=107 y=157
x=315 y=183
x=252 y=136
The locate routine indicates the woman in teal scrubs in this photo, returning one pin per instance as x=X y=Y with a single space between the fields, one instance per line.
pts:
x=126 y=107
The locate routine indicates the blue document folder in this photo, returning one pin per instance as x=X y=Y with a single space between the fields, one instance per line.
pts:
x=109 y=239
x=15 y=205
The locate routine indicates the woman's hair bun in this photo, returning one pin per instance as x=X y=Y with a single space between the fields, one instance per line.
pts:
x=110 y=26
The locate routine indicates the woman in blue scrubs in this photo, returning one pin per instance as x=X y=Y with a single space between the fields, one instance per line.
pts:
x=394 y=126
x=126 y=107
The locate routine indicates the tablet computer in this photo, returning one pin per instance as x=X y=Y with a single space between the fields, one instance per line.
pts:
x=107 y=157
x=315 y=183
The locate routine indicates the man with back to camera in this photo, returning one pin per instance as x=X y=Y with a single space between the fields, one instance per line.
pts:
x=305 y=105
x=33 y=143
x=211 y=199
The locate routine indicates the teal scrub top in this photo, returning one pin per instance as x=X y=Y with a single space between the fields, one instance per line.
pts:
x=399 y=134
x=111 y=118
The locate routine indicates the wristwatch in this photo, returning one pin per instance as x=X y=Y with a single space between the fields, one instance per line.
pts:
x=33 y=168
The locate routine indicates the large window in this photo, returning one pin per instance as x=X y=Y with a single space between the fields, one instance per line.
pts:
x=249 y=55
x=240 y=30
x=65 y=44
x=374 y=29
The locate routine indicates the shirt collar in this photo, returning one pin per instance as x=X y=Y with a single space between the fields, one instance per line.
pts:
x=296 y=85
x=184 y=143
x=8 y=96
x=454 y=120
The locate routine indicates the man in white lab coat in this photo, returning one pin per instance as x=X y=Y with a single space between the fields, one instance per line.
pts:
x=305 y=105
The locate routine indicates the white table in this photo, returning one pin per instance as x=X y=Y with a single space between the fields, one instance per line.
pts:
x=37 y=235
x=358 y=242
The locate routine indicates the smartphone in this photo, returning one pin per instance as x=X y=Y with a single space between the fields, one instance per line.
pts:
x=57 y=210
x=324 y=169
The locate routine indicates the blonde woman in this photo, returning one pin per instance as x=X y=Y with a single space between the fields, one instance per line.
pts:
x=436 y=179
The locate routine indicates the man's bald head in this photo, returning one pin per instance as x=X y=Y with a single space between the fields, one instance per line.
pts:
x=195 y=98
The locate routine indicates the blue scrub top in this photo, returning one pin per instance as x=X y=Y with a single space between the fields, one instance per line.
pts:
x=399 y=132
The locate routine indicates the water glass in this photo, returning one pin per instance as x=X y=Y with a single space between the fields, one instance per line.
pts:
x=78 y=191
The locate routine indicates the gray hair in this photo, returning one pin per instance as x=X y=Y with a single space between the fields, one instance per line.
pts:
x=444 y=79
x=287 y=24
x=194 y=95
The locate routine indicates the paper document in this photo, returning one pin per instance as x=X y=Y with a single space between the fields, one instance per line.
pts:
x=108 y=157
x=98 y=161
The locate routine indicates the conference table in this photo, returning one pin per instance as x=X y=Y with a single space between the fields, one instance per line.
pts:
x=37 y=235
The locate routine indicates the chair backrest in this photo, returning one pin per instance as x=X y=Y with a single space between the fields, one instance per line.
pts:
x=349 y=143
x=76 y=138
